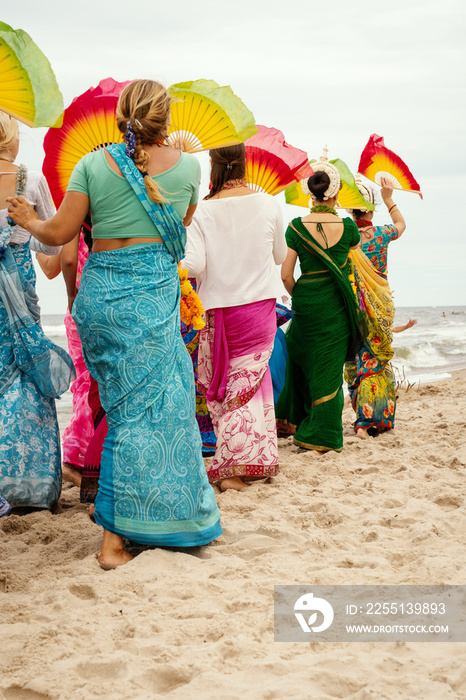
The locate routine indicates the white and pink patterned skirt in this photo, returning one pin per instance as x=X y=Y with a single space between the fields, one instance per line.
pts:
x=233 y=370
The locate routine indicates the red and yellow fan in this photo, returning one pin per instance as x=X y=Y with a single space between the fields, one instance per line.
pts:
x=271 y=163
x=377 y=162
x=205 y=115
x=349 y=196
x=28 y=88
x=88 y=123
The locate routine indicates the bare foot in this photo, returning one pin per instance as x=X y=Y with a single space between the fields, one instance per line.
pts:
x=362 y=433
x=113 y=553
x=235 y=483
x=91 y=512
x=319 y=453
x=71 y=474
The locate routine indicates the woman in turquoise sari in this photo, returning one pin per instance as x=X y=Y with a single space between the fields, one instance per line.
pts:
x=323 y=331
x=153 y=486
x=33 y=370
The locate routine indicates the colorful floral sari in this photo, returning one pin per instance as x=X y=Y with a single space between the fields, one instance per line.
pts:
x=235 y=348
x=370 y=376
x=33 y=373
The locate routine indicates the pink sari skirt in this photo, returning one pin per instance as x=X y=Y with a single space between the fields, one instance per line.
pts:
x=78 y=433
x=233 y=372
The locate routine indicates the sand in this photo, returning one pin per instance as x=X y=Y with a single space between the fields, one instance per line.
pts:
x=199 y=624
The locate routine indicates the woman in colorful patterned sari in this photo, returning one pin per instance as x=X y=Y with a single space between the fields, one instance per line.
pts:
x=153 y=488
x=322 y=333
x=369 y=376
x=33 y=371
x=234 y=244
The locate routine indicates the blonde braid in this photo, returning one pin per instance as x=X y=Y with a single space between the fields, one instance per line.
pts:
x=147 y=104
x=141 y=159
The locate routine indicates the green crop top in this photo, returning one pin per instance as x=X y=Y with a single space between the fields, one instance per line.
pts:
x=116 y=211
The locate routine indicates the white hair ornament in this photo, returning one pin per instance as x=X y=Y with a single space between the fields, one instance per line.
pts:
x=323 y=165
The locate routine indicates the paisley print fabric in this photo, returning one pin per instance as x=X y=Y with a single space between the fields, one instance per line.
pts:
x=235 y=347
x=153 y=487
x=33 y=372
x=4 y=507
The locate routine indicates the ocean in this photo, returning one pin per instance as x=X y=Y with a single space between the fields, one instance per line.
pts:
x=427 y=352
x=435 y=347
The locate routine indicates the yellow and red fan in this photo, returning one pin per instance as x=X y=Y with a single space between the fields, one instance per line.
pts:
x=349 y=196
x=271 y=163
x=377 y=162
x=88 y=122
x=205 y=115
x=28 y=88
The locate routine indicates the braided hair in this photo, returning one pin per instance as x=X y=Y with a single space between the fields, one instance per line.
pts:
x=144 y=107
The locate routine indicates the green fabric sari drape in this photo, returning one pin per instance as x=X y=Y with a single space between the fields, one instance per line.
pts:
x=324 y=333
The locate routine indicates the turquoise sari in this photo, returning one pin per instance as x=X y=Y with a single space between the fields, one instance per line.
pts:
x=33 y=373
x=153 y=487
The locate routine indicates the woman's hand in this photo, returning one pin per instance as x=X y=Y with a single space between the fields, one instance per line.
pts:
x=21 y=211
x=387 y=190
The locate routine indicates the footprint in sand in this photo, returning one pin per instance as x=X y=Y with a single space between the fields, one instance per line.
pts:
x=449 y=502
x=83 y=591
x=14 y=692
x=327 y=520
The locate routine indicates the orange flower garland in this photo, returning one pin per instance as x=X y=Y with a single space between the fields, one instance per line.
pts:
x=191 y=309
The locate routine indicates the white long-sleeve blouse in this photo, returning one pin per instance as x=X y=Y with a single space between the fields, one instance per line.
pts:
x=234 y=246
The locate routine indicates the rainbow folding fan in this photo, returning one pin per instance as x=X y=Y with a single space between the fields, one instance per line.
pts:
x=271 y=163
x=28 y=89
x=88 y=122
x=349 y=196
x=205 y=115
x=378 y=162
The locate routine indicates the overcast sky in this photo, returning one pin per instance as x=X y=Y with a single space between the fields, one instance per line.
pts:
x=321 y=72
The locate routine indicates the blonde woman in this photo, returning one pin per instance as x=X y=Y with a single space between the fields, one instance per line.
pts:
x=153 y=487
x=33 y=371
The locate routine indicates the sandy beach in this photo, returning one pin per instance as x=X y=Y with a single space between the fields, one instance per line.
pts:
x=199 y=624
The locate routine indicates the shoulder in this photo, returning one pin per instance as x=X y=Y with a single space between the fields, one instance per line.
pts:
x=389 y=231
x=292 y=227
x=36 y=181
x=261 y=202
x=90 y=159
x=351 y=230
x=349 y=224
x=34 y=177
x=189 y=162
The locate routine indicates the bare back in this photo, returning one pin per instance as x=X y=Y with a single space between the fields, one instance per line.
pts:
x=332 y=226
x=7 y=182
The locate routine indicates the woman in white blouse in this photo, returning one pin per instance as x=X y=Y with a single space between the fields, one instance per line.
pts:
x=235 y=242
x=33 y=371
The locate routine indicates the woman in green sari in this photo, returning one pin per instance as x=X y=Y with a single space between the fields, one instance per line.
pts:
x=323 y=332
